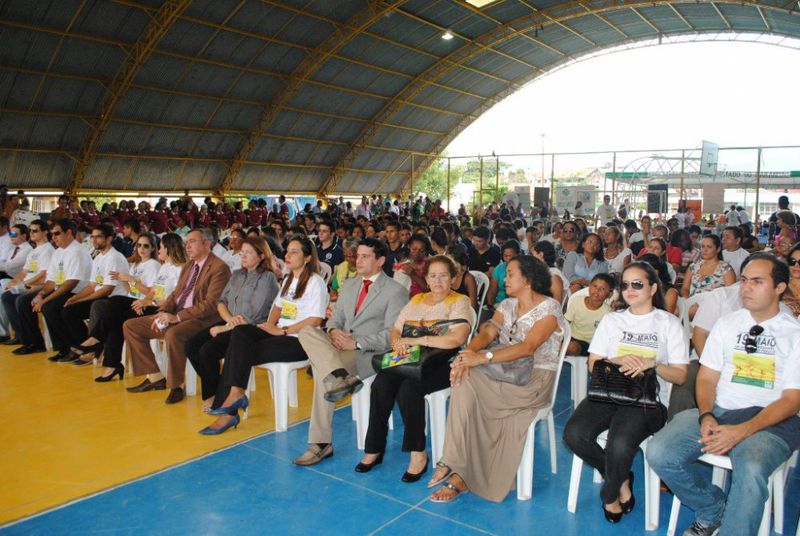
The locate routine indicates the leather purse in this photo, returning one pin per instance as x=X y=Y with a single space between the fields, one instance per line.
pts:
x=610 y=386
x=428 y=357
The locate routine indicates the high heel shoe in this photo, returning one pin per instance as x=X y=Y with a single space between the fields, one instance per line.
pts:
x=367 y=467
x=627 y=506
x=241 y=403
x=234 y=422
x=119 y=370
x=611 y=517
x=413 y=477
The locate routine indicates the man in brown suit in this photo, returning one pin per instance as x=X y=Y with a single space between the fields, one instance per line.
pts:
x=190 y=308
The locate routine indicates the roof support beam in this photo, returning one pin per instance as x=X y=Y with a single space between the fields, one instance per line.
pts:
x=722 y=15
x=341 y=36
x=138 y=56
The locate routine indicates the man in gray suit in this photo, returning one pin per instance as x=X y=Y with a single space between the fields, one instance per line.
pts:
x=362 y=319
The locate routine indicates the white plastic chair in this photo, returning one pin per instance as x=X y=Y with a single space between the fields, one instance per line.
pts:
x=684 y=304
x=48 y=342
x=525 y=470
x=283 y=385
x=325 y=271
x=437 y=420
x=579 y=384
x=162 y=358
x=360 y=402
x=720 y=465
x=482 y=282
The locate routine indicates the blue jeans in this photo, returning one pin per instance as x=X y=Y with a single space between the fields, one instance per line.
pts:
x=673 y=454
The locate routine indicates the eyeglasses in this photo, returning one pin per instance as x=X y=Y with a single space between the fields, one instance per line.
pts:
x=792 y=261
x=750 y=342
x=636 y=284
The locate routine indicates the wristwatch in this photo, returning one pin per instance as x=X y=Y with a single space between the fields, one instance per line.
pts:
x=489 y=356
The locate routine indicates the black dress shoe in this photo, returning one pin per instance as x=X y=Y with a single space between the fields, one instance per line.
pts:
x=68 y=358
x=611 y=517
x=4 y=338
x=367 y=467
x=147 y=385
x=175 y=396
x=413 y=477
x=12 y=342
x=56 y=357
x=28 y=349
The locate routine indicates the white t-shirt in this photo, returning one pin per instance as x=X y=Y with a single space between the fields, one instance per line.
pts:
x=312 y=303
x=744 y=217
x=39 y=259
x=74 y=262
x=615 y=265
x=144 y=273
x=233 y=260
x=102 y=266
x=166 y=280
x=733 y=217
x=759 y=378
x=735 y=259
x=657 y=334
x=219 y=250
x=605 y=213
x=718 y=303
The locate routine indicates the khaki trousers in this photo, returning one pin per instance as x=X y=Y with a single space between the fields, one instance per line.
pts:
x=324 y=358
x=137 y=332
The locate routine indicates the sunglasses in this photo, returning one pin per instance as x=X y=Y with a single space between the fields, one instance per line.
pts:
x=635 y=285
x=750 y=342
x=56 y=233
x=33 y=230
x=146 y=246
x=792 y=261
x=13 y=234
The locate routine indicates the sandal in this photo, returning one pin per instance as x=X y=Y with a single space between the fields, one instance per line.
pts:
x=439 y=465
x=452 y=487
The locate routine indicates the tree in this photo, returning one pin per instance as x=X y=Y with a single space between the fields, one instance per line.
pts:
x=433 y=183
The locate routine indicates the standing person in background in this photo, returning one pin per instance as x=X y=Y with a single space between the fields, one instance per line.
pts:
x=604 y=213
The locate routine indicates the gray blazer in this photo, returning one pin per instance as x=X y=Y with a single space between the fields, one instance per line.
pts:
x=373 y=323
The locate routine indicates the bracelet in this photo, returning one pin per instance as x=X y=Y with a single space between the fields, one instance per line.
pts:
x=707 y=413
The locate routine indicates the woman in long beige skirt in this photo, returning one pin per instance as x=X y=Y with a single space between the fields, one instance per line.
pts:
x=506 y=374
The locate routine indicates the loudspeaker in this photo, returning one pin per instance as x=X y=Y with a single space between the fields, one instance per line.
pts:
x=541 y=196
x=657 y=198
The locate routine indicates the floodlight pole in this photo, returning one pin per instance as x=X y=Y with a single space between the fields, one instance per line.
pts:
x=552 y=180
x=480 y=186
x=758 y=189
x=683 y=191
x=412 y=174
x=496 y=177
x=614 y=178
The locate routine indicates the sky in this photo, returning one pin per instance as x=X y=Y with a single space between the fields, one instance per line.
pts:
x=659 y=97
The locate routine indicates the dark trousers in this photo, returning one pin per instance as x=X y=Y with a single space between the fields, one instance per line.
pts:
x=9 y=305
x=205 y=353
x=59 y=330
x=29 y=332
x=627 y=427
x=250 y=346
x=410 y=397
x=108 y=328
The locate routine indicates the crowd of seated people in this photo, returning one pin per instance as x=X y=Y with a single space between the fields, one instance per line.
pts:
x=228 y=287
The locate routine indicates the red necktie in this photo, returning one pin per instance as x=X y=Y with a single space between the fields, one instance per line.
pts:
x=363 y=295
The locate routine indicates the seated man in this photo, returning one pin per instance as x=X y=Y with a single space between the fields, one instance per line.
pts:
x=190 y=308
x=748 y=396
x=68 y=273
x=359 y=327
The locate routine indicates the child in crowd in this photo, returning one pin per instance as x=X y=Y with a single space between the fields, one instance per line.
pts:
x=584 y=312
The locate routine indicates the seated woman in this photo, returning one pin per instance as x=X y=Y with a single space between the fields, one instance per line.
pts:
x=559 y=284
x=640 y=337
x=499 y=385
x=792 y=298
x=464 y=282
x=145 y=294
x=301 y=302
x=497 y=287
x=669 y=291
x=689 y=254
x=617 y=256
x=585 y=312
x=586 y=262
x=440 y=303
x=709 y=272
x=246 y=299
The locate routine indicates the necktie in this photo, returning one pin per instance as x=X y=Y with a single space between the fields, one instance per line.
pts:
x=189 y=286
x=363 y=295
x=16 y=250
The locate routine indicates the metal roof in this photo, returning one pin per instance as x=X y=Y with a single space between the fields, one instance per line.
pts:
x=328 y=96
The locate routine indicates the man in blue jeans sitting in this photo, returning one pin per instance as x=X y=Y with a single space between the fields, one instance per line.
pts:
x=748 y=396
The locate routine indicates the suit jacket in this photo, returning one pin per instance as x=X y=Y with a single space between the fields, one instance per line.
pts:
x=373 y=324
x=210 y=283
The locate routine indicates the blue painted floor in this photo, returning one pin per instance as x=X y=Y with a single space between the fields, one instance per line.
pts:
x=253 y=488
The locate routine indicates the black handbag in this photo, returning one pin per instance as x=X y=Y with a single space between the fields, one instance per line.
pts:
x=611 y=386
x=428 y=357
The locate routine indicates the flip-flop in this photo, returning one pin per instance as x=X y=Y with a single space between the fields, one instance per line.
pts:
x=434 y=483
x=452 y=487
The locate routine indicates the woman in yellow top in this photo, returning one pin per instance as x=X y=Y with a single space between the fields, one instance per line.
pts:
x=440 y=303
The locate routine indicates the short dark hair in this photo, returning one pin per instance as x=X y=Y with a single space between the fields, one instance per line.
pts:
x=67 y=225
x=511 y=244
x=378 y=247
x=536 y=272
x=329 y=223
x=737 y=232
x=482 y=232
x=548 y=251
x=106 y=229
x=609 y=279
x=134 y=225
x=780 y=270
x=23 y=229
